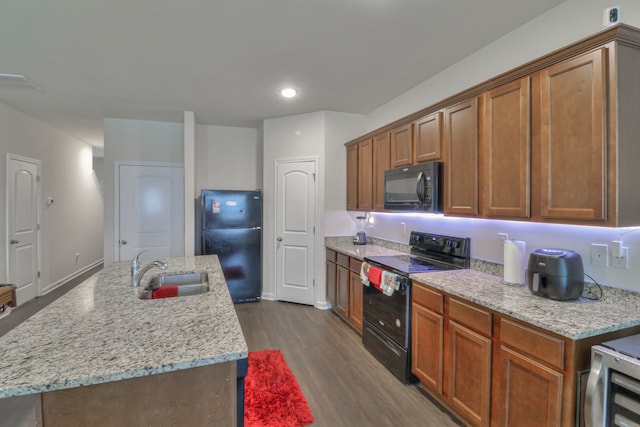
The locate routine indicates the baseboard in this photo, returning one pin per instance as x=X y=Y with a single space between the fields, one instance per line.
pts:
x=70 y=277
x=323 y=305
x=268 y=296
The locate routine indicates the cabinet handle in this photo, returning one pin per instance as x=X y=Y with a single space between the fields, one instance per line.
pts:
x=123 y=242
x=14 y=241
x=279 y=239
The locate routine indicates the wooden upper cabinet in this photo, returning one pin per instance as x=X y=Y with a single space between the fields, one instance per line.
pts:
x=402 y=146
x=573 y=171
x=429 y=136
x=381 y=162
x=365 y=175
x=461 y=167
x=505 y=150
x=352 y=177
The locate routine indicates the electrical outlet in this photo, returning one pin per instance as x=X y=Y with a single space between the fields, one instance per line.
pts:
x=599 y=255
x=621 y=261
x=404 y=227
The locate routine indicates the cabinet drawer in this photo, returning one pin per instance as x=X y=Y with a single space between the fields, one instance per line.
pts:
x=428 y=298
x=354 y=265
x=545 y=348
x=331 y=255
x=472 y=317
x=343 y=260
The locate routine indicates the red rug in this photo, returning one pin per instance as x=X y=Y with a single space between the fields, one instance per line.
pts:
x=272 y=395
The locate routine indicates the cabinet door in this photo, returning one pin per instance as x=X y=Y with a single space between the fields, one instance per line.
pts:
x=573 y=139
x=505 y=150
x=365 y=175
x=352 y=177
x=381 y=162
x=331 y=283
x=461 y=167
x=355 y=300
x=427 y=333
x=469 y=391
x=429 y=136
x=402 y=146
x=529 y=393
x=342 y=291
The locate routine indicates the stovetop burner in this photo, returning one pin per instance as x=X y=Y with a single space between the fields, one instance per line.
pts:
x=408 y=264
x=429 y=252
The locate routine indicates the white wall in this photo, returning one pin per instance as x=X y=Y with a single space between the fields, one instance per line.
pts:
x=569 y=22
x=321 y=136
x=339 y=129
x=73 y=224
x=134 y=140
x=227 y=158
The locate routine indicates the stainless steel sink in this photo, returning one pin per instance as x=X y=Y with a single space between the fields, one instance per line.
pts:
x=194 y=283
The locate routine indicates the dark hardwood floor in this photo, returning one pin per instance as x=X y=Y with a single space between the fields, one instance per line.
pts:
x=343 y=383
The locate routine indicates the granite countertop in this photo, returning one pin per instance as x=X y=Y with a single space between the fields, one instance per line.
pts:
x=375 y=247
x=577 y=319
x=101 y=332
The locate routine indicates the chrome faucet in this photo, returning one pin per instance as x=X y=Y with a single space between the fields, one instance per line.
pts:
x=138 y=276
x=135 y=264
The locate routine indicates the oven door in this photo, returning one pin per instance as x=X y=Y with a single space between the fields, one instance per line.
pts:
x=390 y=314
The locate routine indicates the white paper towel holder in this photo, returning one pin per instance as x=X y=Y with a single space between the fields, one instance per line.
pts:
x=514 y=258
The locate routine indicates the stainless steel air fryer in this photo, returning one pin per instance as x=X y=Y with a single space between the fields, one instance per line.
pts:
x=555 y=273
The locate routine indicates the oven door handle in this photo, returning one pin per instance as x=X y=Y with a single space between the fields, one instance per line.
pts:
x=594 y=395
x=384 y=341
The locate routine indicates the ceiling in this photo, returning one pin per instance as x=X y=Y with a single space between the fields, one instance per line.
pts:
x=227 y=60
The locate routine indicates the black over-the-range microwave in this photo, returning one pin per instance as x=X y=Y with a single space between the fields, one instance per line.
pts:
x=414 y=188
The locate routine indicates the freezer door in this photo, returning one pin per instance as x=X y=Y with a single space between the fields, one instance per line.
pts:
x=231 y=209
x=239 y=252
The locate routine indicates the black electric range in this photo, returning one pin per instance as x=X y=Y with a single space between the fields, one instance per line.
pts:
x=387 y=318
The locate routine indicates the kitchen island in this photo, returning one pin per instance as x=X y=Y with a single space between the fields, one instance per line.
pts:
x=99 y=355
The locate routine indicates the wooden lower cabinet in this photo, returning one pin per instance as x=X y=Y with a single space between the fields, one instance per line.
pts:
x=469 y=388
x=427 y=337
x=345 y=287
x=490 y=369
x=330 y=276
x=342 y=291
x=530 y=393
x=355 y=300
x=450 y=356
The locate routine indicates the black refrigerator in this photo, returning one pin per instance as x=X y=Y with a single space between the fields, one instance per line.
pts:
x=229 y=224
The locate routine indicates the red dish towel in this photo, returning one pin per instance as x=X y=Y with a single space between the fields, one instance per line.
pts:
x=375 y=275
x=164 y=292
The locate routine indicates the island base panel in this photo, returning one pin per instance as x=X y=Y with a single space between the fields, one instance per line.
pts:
x=198 y=396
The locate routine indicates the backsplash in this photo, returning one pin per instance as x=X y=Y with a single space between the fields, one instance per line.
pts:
x=591 y=290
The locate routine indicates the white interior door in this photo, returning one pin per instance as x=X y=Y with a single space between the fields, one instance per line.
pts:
x=150 y=211
x=295 y=231
x=22 y=218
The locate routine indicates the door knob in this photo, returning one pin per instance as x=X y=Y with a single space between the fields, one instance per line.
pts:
x=279 y=239
x=14 y=241
x=123 y=242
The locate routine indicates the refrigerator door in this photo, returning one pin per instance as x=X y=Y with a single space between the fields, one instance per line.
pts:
x=231 y=209
x=239 y=252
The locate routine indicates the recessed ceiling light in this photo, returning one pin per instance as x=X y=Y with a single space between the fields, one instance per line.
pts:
x=288 y=92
